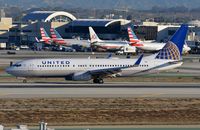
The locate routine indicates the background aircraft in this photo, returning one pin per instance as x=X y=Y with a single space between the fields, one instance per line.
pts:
x=106 y=45
x=45 y=37
x=56 y=37
x=57 y=40
x=149 y=46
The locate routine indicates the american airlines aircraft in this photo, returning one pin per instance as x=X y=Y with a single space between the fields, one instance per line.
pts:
x=169 y=57
x=45 y=37
x=56 y=39
x=149 y=46
x=106 y=45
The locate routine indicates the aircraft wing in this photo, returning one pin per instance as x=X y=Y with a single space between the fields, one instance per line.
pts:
x=110 y=71
x=104 y=72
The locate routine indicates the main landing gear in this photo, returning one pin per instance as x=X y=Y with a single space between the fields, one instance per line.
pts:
x=24 y=80
x=98 y=80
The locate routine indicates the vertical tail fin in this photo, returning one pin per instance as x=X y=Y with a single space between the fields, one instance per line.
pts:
x=173 y=49
x=45 y=36
x=132 y=37
x=93 y=36
x=55 y=34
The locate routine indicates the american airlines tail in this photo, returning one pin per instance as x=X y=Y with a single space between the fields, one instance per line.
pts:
x=56 y=37
x=55 y=34
x=132 y=37
x=134 y=41
x=174 y=47
x=93 y=36
x=45 y=36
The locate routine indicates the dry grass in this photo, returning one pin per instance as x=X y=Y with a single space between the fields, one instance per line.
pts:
x=94 y=111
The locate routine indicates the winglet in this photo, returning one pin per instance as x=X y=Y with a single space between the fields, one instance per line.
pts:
x=37 y=40
x=139 y=60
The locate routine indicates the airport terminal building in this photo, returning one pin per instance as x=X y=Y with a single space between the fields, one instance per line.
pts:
x=66 y=24
x=25 y=31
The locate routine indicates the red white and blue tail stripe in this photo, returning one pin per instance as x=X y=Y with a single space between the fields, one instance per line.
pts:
x=132 y=37
x=134 y=41
x=56 y=37
x=45 y=36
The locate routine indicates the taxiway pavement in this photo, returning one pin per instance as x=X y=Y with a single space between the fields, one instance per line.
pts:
x=47 y=90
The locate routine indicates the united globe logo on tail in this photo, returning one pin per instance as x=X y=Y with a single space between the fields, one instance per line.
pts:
x=173 y=49
x=169 y=51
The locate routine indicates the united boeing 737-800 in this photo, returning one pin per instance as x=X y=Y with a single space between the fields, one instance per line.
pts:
x=168 y=57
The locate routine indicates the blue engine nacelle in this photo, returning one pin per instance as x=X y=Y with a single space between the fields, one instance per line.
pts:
x=81 y=76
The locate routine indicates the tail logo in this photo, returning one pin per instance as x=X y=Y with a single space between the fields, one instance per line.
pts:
x=93 y=36
x=169 y=51
x=132 y=37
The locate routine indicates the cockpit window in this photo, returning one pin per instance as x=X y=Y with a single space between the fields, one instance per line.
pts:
x=17 y=65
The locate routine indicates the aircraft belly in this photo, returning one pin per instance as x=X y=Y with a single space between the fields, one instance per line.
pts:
x=49 y=73
x=128 y=72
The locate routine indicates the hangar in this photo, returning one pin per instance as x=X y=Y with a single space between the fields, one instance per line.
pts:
x=69 y=26
x=49 y=16
x=106 y=28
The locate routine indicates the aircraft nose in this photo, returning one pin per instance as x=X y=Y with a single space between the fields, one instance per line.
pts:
x=9 y=70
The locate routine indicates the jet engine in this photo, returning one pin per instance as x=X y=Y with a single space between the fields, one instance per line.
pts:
x=80 y=76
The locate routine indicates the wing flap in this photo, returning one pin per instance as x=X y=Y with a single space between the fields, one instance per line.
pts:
x=110 y=71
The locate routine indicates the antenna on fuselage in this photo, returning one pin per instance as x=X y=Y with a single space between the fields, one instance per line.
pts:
x=11 y=63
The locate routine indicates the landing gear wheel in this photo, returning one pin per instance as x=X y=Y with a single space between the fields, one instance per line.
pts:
x=101 y=81
x=98 y=80
x=24 y=81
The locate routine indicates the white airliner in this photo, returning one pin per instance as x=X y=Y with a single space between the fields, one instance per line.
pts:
x=149 y=46
x=87 y=69
x=56 y=39
x=106 y=45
